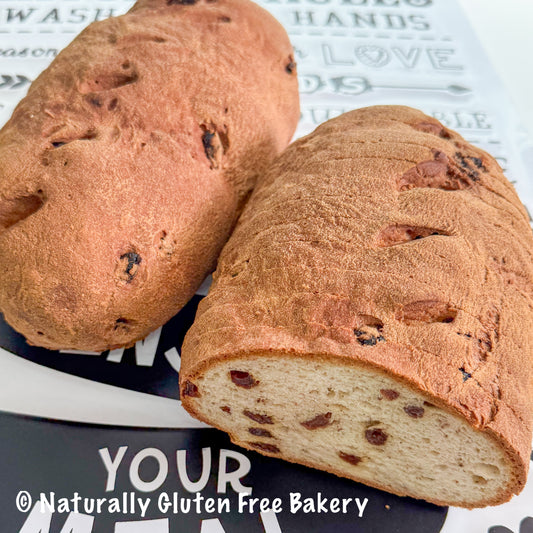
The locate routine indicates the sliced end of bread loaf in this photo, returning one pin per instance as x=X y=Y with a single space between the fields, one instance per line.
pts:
x=356 y=422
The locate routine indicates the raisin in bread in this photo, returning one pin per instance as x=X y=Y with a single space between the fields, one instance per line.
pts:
x=372 y=314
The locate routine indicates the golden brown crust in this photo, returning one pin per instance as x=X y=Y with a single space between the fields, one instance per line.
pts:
x=123 y=170
x=383 y=220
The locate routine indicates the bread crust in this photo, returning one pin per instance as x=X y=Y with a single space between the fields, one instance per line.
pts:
x=382 y=218
x=124 y=169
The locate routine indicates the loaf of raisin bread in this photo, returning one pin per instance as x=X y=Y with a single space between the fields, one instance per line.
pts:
x=372 y=314
x=124 y=169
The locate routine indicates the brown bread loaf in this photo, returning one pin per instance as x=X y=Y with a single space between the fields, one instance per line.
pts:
x=372 y=314
x=124 y=169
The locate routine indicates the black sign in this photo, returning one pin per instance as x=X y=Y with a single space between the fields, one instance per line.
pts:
x=95 y=479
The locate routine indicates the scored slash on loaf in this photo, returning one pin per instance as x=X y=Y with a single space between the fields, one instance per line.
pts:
x=371 y=314
x=124 y=169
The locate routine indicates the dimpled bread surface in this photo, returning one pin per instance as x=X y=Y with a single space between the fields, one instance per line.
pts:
x=371 y=314
x=124 y=169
